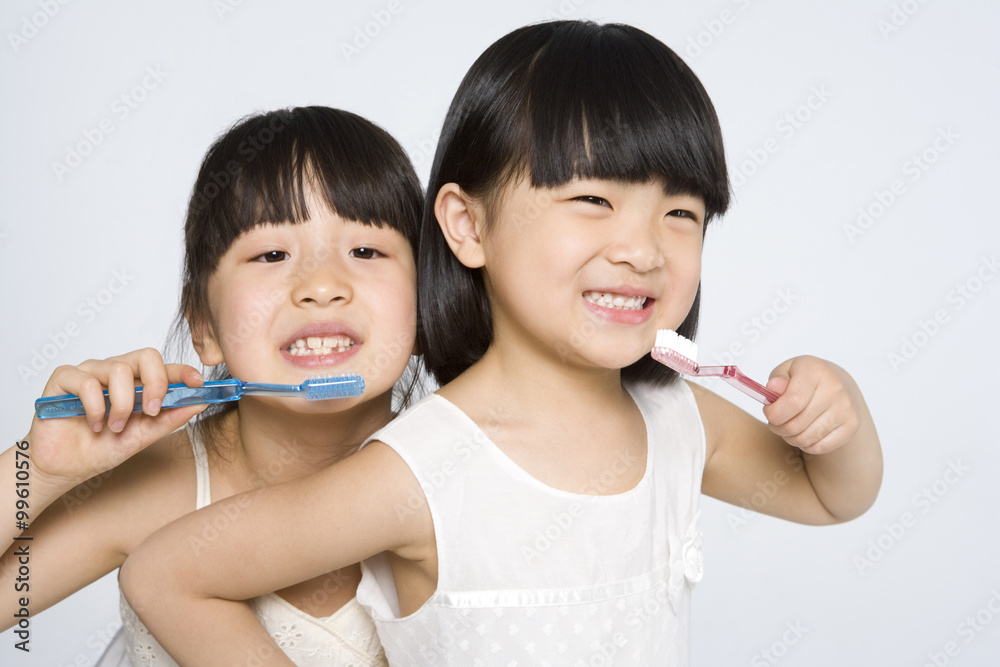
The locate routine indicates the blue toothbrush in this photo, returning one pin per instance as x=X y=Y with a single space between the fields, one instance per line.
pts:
x=220 y=391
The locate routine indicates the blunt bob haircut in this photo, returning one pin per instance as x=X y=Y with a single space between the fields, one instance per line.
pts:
x=550 y=102
x=257 y=173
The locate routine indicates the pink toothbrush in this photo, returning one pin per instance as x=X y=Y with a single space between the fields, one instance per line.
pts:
x=679 y=353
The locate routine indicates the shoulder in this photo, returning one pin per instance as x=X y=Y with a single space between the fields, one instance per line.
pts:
x=424 y=431
x=147 y=491
x=674 y=407
x=677 y=392
x=163 y=466
x=383 y=493
x=427 y=409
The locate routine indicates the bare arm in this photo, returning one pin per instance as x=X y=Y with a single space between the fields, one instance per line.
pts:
x=81 y=513
x=89 y=530
x=187 y=589
x=818 y=459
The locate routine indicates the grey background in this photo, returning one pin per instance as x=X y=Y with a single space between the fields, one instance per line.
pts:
x=829 y=110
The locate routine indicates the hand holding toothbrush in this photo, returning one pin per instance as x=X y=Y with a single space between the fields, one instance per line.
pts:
x=810 y=403
x=822 y=414
x=820 y=407
x=66 y=452
x=812 y=406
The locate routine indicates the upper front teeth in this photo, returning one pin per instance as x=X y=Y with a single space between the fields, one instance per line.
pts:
x=316 y=345
x=611 y=300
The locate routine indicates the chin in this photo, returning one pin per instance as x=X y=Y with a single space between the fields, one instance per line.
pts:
x=615 y=360
x=304 y=407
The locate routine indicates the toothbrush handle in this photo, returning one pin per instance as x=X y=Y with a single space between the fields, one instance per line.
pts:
x=178 y=395
x=735 y=377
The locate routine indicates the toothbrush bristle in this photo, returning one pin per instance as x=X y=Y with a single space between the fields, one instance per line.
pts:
x=675 y=351
x=342 y=386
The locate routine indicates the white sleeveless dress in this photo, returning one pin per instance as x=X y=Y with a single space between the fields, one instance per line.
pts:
x=347 y=638
x=532 y=575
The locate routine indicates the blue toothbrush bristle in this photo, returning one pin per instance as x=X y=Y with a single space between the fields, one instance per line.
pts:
x=342 y=386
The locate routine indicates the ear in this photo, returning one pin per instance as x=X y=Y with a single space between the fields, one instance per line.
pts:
x=205 y=342
x=461 y=219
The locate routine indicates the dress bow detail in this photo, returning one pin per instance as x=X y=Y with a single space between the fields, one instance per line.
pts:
x=686 y=560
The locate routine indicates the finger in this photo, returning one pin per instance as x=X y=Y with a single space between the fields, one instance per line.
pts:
x=64 y=380
x=96 y=367
x=782 y=370
x=174 y=418
x=153 y=377
x=788 y=404
x=181 y=374
x=811 y=429
x=88 y=388
x=778 y=385
x=792 y=404
x=829 y=442
x=91 y=393
x=189 y=375
x=134 y=360
x=797 y=424
x=121 y=390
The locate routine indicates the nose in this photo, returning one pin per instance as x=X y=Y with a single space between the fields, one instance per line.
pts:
x=635 y=243
x=320 y=281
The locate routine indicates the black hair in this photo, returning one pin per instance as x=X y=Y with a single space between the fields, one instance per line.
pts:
x=551 y=102
x=258 y=171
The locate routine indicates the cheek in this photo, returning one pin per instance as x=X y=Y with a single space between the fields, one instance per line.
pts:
x=241 y=315
x=685 y=257
x=692 y=274
x=685 y=276
x=405 y=297
x=394 y=325
x=536 y=258
x=394 y=310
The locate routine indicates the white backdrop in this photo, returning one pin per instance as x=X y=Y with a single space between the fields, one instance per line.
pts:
x=863 y=142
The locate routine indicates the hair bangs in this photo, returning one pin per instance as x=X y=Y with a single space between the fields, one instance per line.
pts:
x=611 y=104
x=259 y=172
x=361 y=177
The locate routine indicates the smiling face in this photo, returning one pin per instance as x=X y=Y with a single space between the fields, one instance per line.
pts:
x=323 y=297
x=591 y=269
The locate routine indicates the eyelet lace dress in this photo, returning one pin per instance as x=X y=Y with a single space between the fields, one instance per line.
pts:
x=529 y=575
x=347 y=638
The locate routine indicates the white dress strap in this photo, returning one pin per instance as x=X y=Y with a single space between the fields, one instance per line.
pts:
x=204 y=497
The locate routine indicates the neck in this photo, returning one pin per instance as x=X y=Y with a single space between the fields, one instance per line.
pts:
x=274 y=445
x=532 y=382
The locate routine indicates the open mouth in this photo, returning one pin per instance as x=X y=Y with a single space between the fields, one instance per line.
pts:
x=316 y=346
x=615 y=301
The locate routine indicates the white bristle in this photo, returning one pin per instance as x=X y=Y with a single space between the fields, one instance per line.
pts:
x=674 y=341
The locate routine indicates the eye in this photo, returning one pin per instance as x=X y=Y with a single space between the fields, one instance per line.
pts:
x=364 y=252
x=681 y=213
x=272 y=256
x=593 y=199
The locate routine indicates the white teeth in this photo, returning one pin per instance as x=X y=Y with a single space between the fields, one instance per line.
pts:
x=617 y=301
x=318 y=346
